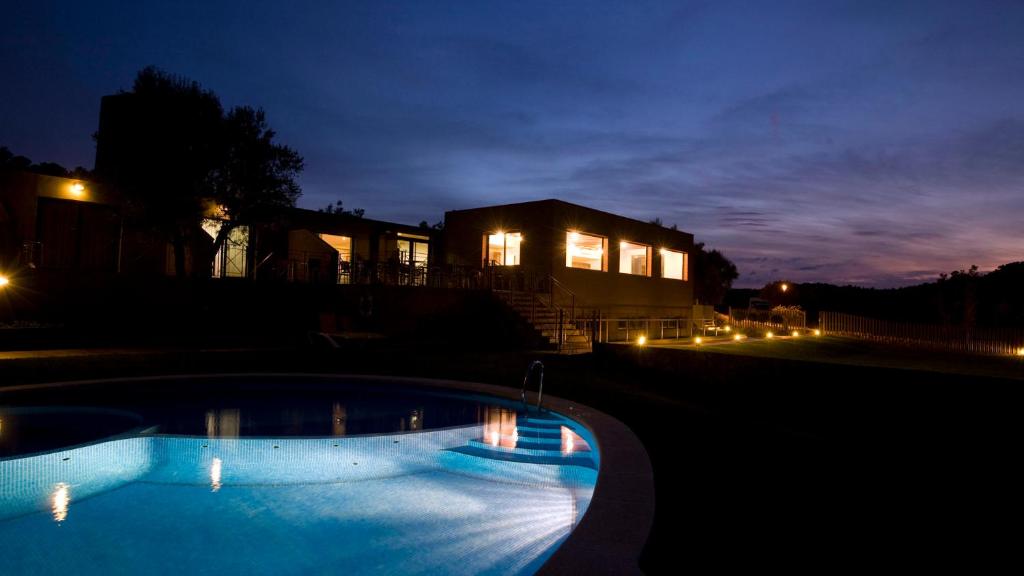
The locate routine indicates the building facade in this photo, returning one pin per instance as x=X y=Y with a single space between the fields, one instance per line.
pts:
x=620 y=266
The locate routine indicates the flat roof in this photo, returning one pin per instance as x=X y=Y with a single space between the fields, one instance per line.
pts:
x=555 y=201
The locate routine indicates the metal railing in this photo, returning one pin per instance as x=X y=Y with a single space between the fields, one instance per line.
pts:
x=546 y=294
x=534 y=366
x=603 y=329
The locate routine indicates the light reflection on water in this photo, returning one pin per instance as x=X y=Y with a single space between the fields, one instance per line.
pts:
x=500 y=427
x=568 y=443
x=60 y=501
x=215 y=468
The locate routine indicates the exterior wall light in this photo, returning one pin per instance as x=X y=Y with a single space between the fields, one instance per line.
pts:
x=77 y=189
x=641 y=340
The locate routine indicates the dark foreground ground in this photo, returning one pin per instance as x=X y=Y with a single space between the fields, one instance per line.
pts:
x=759 y=463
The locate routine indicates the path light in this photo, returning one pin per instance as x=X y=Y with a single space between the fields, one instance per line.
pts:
x=796 y=333
x=817 y=332
x=698 y=340
x=641 y=340
x=769 y=335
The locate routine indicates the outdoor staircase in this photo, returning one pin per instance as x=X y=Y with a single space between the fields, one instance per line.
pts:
x=537 y=439
x=536 y=310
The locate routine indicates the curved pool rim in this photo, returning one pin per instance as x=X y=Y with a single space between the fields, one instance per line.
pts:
x=612 y=534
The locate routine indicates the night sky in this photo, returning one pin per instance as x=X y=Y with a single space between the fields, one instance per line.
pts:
x=876 y=143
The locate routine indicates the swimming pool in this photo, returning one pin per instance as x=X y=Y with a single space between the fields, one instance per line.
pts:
x=355 y=477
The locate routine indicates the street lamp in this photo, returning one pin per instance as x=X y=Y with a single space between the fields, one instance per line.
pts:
x=784 y=287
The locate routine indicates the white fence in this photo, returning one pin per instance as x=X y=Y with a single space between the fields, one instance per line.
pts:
x=994 y=341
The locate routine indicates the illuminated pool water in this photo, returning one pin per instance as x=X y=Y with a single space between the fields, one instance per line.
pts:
x=493 y=497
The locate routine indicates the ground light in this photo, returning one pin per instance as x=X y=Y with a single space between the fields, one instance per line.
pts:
x=796 y=333
x=769 y=335
x=641 y=340
x=738 y=337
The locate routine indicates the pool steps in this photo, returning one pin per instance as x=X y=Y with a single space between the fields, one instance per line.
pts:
x=538 y=440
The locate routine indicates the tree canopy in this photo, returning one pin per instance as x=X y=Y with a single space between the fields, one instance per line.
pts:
x=171 y=149
x=11 y=161
x=713 y=275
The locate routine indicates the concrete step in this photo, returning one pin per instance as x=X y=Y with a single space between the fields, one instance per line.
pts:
x=540 y=423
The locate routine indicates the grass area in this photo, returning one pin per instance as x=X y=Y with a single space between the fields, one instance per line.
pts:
x=848 y=351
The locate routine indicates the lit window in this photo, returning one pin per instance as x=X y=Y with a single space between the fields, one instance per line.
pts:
x=673 y=264
x=503 y=248
x=634 y=259
x=415 y=255
x=585 y=251
x=231 y=260
x=343 y=246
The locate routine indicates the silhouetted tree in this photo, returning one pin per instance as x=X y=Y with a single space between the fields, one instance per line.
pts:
x=255 y=179
x=339 y=208
x=10 y=161
x=658 y=222
x=713 y=275
x=166 y=153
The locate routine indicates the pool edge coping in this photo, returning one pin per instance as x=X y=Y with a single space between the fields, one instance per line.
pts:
x=614 y=530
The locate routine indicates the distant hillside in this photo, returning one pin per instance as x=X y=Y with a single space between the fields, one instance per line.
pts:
x=964 y=297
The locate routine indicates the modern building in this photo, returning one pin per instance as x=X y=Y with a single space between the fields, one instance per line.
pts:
x=572 y=272
x=576 y=260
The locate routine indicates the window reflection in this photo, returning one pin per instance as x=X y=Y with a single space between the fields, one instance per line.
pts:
x=568 y=441
x=215 y=469
x=500 y=427
x=416 y=419
x=223 y=423
x=339 y=419
x=60 y=501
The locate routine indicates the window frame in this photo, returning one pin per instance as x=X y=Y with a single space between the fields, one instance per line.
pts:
x=504 y=248
x=684 y=272
x=604 y=250
x=649 y=255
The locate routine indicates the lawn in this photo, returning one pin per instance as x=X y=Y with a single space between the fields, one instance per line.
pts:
x=849 y=351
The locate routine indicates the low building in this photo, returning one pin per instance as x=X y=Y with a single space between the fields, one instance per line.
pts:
x=333 y=248
x=586 y=261
x=57 y=224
